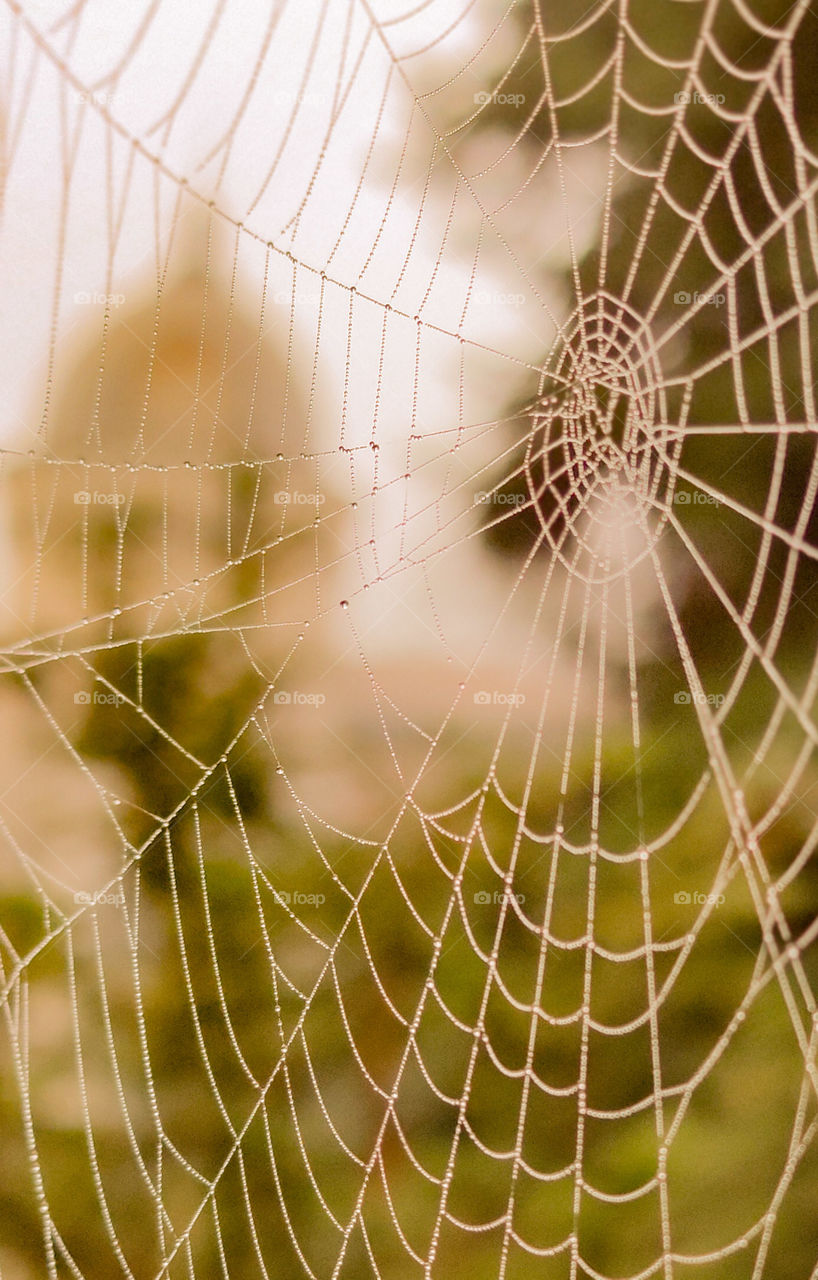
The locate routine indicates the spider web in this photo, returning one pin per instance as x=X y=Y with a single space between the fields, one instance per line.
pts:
x=410 y=660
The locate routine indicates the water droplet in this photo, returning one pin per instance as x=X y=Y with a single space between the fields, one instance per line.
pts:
x=279 y=457
x=344 y=604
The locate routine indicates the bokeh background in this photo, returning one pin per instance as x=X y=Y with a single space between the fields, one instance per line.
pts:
x=408 y=806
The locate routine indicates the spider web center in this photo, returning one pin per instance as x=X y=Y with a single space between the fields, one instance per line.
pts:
x=598 y=463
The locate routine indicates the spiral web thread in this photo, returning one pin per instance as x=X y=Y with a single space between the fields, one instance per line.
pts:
x=407 y=950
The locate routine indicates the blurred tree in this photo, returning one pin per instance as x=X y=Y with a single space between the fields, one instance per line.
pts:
x=751 y=250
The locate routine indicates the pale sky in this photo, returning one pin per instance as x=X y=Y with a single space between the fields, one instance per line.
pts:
x=138 y=75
